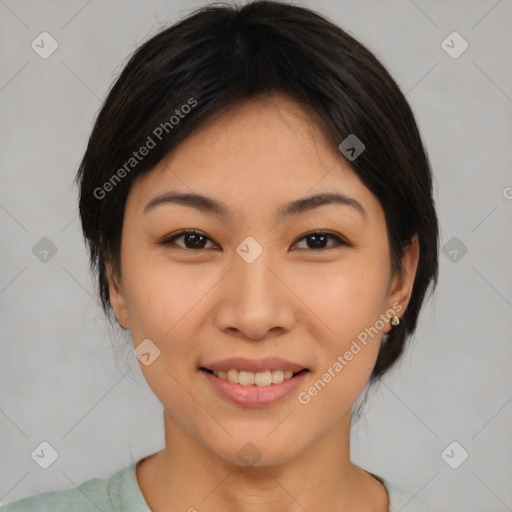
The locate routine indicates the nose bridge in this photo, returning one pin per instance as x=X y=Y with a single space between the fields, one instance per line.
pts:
x=253 y=278
x=256 y=300
x=251 y=258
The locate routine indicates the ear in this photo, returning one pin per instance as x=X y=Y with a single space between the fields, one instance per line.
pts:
x=401 y=285
x=117 y=297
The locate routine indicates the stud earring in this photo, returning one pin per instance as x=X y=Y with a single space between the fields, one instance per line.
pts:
x=395 y=322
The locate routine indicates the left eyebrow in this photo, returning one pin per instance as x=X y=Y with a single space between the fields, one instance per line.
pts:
x=312 y=202
x=214 y=206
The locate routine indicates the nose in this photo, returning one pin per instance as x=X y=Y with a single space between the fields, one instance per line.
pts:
x=255 y=302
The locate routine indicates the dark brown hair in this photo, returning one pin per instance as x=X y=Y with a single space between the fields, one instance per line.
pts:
x=222 y=55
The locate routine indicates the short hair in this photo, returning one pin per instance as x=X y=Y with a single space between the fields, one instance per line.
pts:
x=220 y=56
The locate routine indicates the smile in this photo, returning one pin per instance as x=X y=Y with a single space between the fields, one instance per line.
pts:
x=265 y=378
x=254 y=389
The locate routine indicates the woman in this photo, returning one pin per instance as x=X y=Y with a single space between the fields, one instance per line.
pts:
x=258 y=207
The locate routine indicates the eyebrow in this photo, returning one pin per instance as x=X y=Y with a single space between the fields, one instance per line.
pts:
x=213 y=206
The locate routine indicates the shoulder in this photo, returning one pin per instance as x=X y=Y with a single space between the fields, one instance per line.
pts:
x=119 y=492
x=400 y=500
x=89 y=496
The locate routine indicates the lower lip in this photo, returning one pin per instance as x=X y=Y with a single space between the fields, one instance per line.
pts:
x=255 y=396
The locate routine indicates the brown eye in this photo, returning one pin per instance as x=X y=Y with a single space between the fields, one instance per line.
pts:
x=318 y=240
x=191 y=240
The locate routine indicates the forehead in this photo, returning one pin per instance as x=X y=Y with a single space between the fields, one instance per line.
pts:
x=266 y=150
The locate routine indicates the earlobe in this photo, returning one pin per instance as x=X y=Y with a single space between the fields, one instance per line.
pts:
x=402 y=282
x=117 y=298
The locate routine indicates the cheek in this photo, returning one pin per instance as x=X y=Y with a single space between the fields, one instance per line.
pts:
x=160 y=296
x=350 y=304
x=164 y=302
x=349 y=300
x=347 y=297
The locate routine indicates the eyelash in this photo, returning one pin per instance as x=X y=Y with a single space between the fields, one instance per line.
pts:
x=171 y=240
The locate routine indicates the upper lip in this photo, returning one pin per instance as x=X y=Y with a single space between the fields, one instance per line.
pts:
x=253 y=365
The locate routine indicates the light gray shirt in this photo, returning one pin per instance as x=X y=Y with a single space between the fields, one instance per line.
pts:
x=121 y=493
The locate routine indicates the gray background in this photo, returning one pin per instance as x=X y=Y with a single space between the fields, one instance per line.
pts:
x=62 y=382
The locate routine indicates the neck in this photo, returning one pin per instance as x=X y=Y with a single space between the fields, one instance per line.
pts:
x=187 y=476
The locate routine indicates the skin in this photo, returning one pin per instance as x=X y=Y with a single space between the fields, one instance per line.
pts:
x=294 y=301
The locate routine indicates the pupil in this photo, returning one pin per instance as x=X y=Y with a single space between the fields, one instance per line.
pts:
x=318 y=240
x=195 y=240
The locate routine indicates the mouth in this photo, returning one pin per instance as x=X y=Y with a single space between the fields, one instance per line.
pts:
x=254 y=384
x=262 y=379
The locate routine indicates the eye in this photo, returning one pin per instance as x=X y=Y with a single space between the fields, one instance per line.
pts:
x=192 y=239
x=318 y=239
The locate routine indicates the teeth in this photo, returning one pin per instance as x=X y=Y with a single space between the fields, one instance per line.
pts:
x=246 y=378
x=265 y=378
x=277 y=376
x=232 y=376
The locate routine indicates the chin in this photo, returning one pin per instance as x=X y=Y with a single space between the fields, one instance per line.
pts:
x=257 y=451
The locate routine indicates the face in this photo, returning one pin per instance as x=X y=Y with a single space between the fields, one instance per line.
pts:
x=259 y=279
